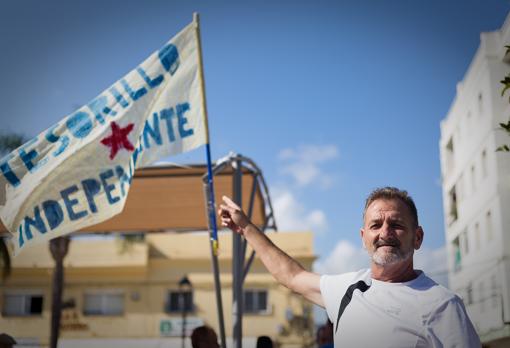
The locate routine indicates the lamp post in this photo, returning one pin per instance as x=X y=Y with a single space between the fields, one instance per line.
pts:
x=58 y=248
x=184 y=287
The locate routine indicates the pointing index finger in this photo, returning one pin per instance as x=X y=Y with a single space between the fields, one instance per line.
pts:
x=227 y=208
x=230 y=202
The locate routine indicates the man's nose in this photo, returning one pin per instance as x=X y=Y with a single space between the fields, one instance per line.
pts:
x=386 y=231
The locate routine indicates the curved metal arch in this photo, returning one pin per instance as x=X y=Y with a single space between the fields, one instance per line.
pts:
x=240 y=266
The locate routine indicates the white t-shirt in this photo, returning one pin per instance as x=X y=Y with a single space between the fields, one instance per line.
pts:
x=418 y=313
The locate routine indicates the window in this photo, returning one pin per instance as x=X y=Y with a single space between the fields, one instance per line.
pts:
x=255 y=301
x=459 y=188
x=22 y=305
x=477 y=236
x=488 y=225
x=179 y=301
x=481 y=296
x=449 y=156
x=457 y=257
x=469 y=294
x=453 y=213
x=484 y=164
x=465 y=239
x=473 y=178
x=494 y=291
x=103 y=303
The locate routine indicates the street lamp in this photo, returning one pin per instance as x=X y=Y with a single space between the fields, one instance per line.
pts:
x=184 y=287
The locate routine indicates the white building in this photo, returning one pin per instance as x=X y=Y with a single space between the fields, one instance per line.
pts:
x=476 y=190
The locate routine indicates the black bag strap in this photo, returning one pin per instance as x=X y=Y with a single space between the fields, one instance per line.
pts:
x=360 y=285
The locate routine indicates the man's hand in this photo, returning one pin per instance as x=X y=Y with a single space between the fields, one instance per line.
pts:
x=232 y=216
x=284 y=269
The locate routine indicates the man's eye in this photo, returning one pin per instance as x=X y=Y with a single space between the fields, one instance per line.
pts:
x=375 y=226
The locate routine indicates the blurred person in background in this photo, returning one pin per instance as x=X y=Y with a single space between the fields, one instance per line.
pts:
x=204 y=337
x=6 y=341
x=325 y=335
x=264 y=342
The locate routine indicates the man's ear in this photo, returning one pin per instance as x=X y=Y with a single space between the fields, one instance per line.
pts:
x=418 y=238
x=361 y=233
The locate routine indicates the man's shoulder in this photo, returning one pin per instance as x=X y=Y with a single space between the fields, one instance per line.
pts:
x=433 y=293
x=424 y=281
x=333 y=288
x=345 y=279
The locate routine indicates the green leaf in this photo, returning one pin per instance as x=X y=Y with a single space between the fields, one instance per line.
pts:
x=504 y=90
x=503 y=148
x=506 y=84
x=505 y=126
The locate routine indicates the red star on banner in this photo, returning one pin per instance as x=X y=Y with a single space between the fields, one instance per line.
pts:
x=118 y=140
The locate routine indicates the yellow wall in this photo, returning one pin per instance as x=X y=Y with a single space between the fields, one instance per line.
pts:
x=145 y=272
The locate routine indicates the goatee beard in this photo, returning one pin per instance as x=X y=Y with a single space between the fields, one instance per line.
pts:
x=392 y=256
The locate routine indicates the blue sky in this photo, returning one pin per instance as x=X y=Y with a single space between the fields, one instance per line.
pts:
x=330 y=98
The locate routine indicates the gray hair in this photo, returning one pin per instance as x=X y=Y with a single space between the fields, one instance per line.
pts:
x=390 y=193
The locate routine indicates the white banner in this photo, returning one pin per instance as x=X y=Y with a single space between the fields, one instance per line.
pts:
x=78 y=172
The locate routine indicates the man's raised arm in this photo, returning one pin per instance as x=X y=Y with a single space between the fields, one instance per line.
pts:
x=284 y=269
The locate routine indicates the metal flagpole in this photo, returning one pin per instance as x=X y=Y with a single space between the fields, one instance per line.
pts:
x=237 y=264
x=213 y=231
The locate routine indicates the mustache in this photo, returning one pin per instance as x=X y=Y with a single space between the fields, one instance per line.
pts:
x=387 y=242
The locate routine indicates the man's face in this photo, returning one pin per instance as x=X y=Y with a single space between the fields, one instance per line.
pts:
x=390 y=234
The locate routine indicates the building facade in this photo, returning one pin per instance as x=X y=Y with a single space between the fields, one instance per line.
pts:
x=128 y=295
x=476 y=190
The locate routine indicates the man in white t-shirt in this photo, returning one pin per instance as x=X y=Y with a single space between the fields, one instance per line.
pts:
x=389 y=305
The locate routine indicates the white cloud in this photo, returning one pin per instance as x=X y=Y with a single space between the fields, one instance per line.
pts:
x=345 y=257
x=310 y=153
x=302 y=163
x=434 y=263
x=291 y=215
x=348 y=257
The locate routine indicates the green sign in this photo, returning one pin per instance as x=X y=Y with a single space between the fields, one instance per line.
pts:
x=173 y=326
x=165 y=328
